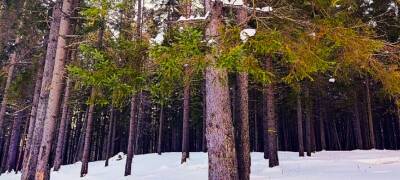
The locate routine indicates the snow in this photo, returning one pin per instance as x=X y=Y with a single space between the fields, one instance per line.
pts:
x=159 y=38
x=246 y=33
x=193 y=18
x=233 y=2
x=332 y=80
x=327 y=165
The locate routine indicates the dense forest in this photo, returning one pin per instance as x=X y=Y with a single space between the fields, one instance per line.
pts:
x=82 y=80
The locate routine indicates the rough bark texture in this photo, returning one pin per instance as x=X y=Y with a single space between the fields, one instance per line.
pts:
x=62 y=129
x=131 y=138
x=31 y=155
x=54 y=95
x=111 y=124
x=222 y=162
x=271 y=120
x=300 y=126
x=185 y=124
x=88 y=134
x=160 y=130
x=14 y=142
x=242 y=123
x=369 y=114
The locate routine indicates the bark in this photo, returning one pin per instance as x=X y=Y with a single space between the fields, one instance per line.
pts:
x=160 y=130
x=300 y=126
x=357 y=125
x=204 y=140
x=111 y=124
x=185 y=124
x=271 y=120
x=131 y=138
x=63 y=128
x=4 y=102
x=369 y=111
x=14 y=142
x=219 y=131
x=32 y=150
x=265 y=122
x=322 y=116
x=88 y=134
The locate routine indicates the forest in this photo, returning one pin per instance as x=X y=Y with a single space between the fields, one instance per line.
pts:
x=82 y=80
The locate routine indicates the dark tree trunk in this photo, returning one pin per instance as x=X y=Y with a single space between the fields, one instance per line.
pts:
x=219 y=131
x=300 y=126
x=369 y=111
x=357 y=125
x=265 y=122
x=32 y=150
x=14 y=142
x=271 y=120
x=160 y=130
x=63 y=128
x=204 y=117
x=322 y=116
x=185 y=124
x=308 y=120
x=111 y=124
x=132 y=133
x=88 y=134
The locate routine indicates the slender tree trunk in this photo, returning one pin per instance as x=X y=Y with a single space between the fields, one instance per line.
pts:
x=3 y=107
x=88 y=134
x=271 y=120
x=62 y=129
x=222 y=160
x=242 y=123
x=14 y=142
x=131 y=139
x=322 y=116
x=357 y=125
x=308 y=120
x=111 y=124
x=369 y=111
x=204 y=140
x=265 y=122
x=185 y=124
x=160 y=130
x=32 y=150
x=300 y=126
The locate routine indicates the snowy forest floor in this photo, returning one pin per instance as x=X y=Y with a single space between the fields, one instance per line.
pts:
x=326 y=165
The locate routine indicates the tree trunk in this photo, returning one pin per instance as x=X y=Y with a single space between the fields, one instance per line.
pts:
x=308 y=120
x=271 y=120
x=14 y=142
x=222 y=162
x=300 y=126
x=185 y=124
x=369 y=111
x=322 y=116
x=242 y=123
x=54 y=95
x=160 y=130
x=62 y=129
x=357 y=125
x=204 y=140
x=111 y=124
x=88 y=134
x=132 y=133
x=32 y=150
x=3 y=108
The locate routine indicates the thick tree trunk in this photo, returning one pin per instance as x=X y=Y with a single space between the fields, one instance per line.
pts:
x=88 y=134
x=185 y=124
x=32 y=150
x=62 y=129
x=219 y=131
x=271 y=120
x=3 y=108
x=54 y=95
x=111 y=124
x=160 y=130
x=131 y=138
x=357 y=125
x=369 y=111
x=300 y=126
x=14 y=142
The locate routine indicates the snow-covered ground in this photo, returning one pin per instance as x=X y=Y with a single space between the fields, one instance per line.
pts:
x=327 y=165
